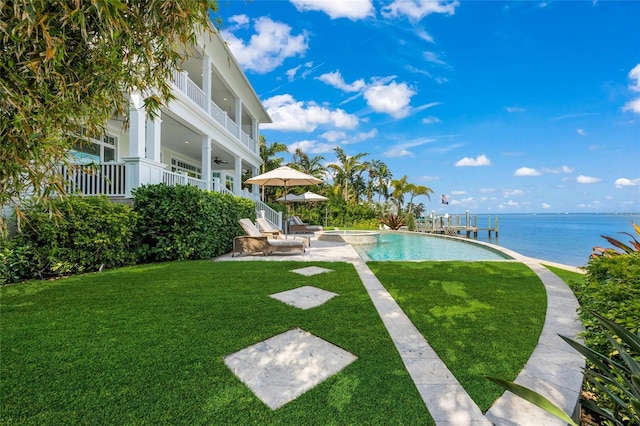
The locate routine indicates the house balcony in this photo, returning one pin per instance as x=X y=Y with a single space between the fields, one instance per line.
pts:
x=191 y=90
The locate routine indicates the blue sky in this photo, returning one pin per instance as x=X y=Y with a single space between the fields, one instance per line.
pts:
x=505 y=107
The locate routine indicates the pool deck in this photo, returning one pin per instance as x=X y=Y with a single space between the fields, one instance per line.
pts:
x=554 y=369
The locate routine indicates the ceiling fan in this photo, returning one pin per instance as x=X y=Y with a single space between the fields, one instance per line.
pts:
x=219 y=161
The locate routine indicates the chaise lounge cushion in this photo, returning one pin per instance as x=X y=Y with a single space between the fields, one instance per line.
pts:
x=254 y=242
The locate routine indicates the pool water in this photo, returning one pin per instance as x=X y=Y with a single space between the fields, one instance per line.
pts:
x=405 y=246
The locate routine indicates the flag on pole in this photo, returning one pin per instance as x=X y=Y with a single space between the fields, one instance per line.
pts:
x=444 y=199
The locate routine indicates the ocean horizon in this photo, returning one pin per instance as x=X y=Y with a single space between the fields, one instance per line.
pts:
x=566 y=238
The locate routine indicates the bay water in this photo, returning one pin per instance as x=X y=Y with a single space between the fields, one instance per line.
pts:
x=563 y=238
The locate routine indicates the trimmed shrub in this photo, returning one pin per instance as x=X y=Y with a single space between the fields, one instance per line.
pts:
x=612 y=289
x=184 y=222
x=86 y=234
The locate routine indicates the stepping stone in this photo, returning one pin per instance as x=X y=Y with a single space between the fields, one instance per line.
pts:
x=306 y=297
x=311 y=270
x=280 y=369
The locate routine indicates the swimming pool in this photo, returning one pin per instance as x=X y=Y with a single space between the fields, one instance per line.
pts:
x=407 y=246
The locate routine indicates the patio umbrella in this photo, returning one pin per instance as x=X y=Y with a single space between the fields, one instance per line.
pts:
x=284 y=176
x=311 y=197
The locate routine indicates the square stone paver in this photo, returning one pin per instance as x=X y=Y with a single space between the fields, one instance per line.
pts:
x=304 y=297
x=280 y=369
x=311 y=270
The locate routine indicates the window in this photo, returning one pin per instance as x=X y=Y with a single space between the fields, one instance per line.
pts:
x=96 y=150
x=229 y=183
x=181 y=166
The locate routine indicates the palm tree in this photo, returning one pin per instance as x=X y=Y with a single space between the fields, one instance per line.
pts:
x=379 y=176
x=268 y=154
x=269 y=162
x=416 y=190
x=345 y=171
x=311 y=166
x=399 y=188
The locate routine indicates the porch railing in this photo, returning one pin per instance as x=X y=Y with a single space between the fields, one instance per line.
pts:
x=110 y=179
x=94 y=179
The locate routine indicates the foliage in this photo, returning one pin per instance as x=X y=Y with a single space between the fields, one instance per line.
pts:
x=88 y=234
x=347 y=170
x=615 y=373
x=67 y=66
x=393 y=221
x=17 y=261
x=625 y=249
x=612 y=289
x=270 y=161
x=184 y=222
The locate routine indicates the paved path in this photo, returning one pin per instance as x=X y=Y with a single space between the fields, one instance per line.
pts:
x=553 y=369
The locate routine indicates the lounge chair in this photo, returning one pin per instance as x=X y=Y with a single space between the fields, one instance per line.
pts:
x=255 y=242
x=267 y=229
x=299 y=227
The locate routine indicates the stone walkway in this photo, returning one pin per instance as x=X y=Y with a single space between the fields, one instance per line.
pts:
x=554 y=369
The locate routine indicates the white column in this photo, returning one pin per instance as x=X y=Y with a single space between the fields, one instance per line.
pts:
x=255 y=189
x=206 y=162
x=153 y=137
x=256 y=137
x=137 y=122
x=239 y=114
x=206 y=80
x=237 y=176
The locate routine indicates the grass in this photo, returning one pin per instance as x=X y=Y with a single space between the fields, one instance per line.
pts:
x=482 y=318
x=145 y=345
x=569 y=277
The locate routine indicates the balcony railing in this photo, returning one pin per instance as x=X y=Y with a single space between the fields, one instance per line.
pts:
x=182 y=81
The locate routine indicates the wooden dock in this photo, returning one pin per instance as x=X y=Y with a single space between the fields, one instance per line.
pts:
x=456 y=225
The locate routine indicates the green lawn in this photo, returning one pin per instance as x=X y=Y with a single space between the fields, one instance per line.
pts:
x=145 y=345
x=482 y=318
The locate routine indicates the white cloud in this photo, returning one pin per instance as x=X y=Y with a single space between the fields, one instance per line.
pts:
x=352 y=9
x=268 y=47
x=512 y=193
x=291 y=115
x=431 y=120
x=362 y=136
x=418 y=9
x=581 y=132
x=311 y=147
x=402 y=149
x=487 y=190
x=333 y=135
x=620 y=182
x=335 y=79
x=458 y=192
x=481 y=160
x=546 y=206
x=433 y=58
x=526 y=171
x=514 y=109
x=587 y=179
x=634 y=76
x=633 y=106
x=307 y=67
x=562 y=169
x=239 y=21
x=425 y=36
x=392 y=98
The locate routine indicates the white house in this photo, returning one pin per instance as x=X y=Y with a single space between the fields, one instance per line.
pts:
x=207 y=136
